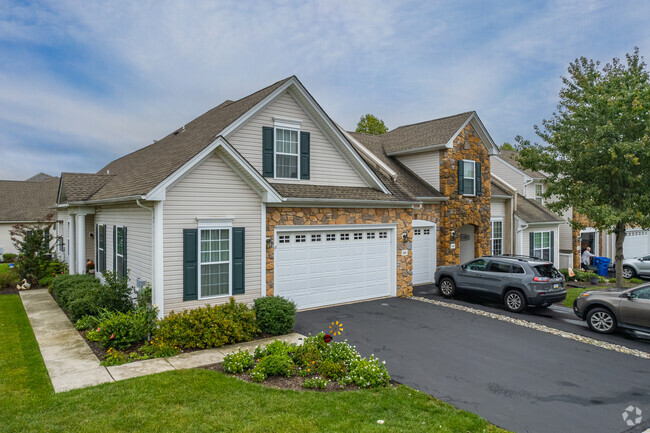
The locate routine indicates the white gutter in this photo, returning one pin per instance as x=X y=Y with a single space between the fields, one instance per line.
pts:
x=432 y=199
x=107 y=200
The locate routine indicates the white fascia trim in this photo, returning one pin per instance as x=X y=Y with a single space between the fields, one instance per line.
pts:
x=243 y=166
x=422 y=223
x=545 y=223
x=107 y=200
x=432 y=199
x=367 y=152
x=487 y=141
x=339 y=135
x=510 y=187
x=418 y=150
x=334 y=227
x=263 y=250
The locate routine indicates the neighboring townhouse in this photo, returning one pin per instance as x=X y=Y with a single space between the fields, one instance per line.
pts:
x=25 y=202
x=536 y=231
x=266 y=195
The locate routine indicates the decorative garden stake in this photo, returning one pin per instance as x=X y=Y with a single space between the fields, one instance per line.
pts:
x=336 y=328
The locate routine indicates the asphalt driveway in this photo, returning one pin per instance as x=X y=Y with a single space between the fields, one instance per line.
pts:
x=517 y=378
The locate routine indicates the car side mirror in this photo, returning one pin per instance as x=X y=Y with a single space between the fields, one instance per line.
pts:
x=463 y=267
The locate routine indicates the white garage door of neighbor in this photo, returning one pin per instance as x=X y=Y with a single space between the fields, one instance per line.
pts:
x=424 y=254
x=636 y=243
x=317 y=268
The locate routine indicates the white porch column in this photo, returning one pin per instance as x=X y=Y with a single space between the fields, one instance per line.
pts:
x=158 y=295
x=81 y=243
x=72 y=244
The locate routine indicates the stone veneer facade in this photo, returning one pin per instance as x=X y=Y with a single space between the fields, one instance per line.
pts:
x=286 y=216
x=459 y=210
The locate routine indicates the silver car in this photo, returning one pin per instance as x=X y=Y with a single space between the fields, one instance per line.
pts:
x=606 y=310
x=636 y=267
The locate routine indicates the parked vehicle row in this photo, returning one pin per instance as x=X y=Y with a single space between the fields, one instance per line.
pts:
x=607 y=310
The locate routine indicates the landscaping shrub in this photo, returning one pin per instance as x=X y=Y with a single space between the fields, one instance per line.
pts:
x=275 y=315
x=86 y=323
x=144 y=297
x=209 y=326
x=612 y=280
x=35 y=250
x=331 y=369
x=8 y=279
x=273 y=365
x=565 y=274
x=367 y=373
x=238 y=362
x=635 y=280
x=315 y=383
x=8 y=257
x=116 y=293
x=120 y=330
x=159 y=349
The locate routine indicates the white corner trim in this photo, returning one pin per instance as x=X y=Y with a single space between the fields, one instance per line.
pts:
x=263 y=255
x=158 y=260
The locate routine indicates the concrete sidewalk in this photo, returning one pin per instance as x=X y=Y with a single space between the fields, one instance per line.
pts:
x=72 y=364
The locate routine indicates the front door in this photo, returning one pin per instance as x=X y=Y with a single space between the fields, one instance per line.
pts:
x=466 y=243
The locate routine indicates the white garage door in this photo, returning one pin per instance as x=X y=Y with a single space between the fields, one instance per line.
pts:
x=636 y=243
x=424 y=254
x=317 y=268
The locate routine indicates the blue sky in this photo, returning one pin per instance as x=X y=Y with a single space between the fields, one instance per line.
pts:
x=84 y=82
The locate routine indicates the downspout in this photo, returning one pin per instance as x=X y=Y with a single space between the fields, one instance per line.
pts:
x=526 y=183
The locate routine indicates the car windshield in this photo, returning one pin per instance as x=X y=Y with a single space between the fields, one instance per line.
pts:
x=547 y=270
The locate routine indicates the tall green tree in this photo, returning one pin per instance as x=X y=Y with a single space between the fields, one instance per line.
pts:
x=507 y=146
x=371 y=125
x=597 y=152
x=34 y=244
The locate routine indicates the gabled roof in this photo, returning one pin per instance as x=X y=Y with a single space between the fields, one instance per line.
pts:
x=138 y=172
x=405 y=184
x=497 y=190
x=532 y=212
x=510 y=157
x=39 y=177
x=27 y=201
x=434 y=134
x=80 y=186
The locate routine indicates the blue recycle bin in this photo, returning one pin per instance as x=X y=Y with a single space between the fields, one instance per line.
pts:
x=602 y=265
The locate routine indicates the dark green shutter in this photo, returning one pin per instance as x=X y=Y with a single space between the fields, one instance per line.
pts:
x=124 y=266
x=238 y=254
x=478 y=178
x=97 y=265
x=461 y=178
x=552 y=253
x=104 y=244
x=267 y=156
x=532 y=244
x=190 y=261
x=304 y=155
x=114 y=248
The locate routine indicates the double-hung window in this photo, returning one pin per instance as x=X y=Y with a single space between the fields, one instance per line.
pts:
x=287 y=145
x=120 y=251
x=539 y=190
x=542 y=245
x=214 y=266
x=469 y=177
x=497 y=237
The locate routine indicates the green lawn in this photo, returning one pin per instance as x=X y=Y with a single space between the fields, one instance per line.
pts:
x=197 y=400
x=4 y=267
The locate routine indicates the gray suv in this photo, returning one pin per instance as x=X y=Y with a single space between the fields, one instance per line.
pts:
x=517 y=281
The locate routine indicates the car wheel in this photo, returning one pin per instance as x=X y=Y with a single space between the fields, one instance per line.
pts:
x=628 y=272
x=515 y=301
x=447 y=287
x=601 y=320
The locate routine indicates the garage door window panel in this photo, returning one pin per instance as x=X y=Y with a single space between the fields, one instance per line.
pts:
x=215 y=262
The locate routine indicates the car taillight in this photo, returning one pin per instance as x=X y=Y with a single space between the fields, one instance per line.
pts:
x=542 y=279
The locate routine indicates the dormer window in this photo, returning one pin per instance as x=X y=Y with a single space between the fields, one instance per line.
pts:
x=539 y=190
x=287 y=143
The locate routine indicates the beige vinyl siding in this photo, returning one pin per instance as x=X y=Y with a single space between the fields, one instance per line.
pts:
x=5 y=240
x=497 y=207
x=507 y=174
x=139 y=227
x=566 y=232
x=541 y=228
x=530 y=191
x=425 y=164
x=327 y=165
x=211 y=190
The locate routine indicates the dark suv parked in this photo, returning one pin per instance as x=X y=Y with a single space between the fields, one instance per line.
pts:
x=517 y=281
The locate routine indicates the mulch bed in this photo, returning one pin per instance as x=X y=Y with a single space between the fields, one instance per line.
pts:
x=9 y=291
x=293 y=382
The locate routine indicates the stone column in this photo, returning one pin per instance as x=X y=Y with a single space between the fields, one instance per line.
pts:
x=81 y=243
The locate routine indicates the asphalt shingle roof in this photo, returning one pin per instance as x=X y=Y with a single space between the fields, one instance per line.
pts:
x=510 y=156
x=23 y=201
x=139 y=172
x=533 y=212
x=82 y=186
x=497 y=190
x=407 y=185
x=423 y=134
x=332 y=192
